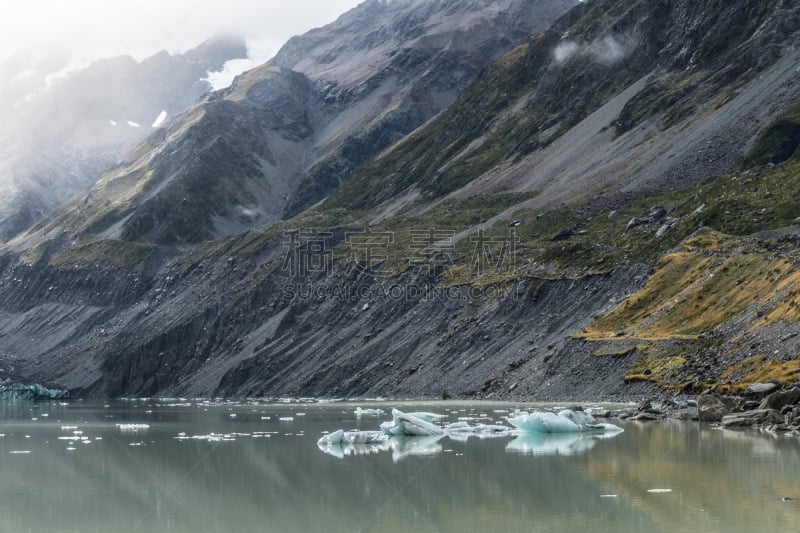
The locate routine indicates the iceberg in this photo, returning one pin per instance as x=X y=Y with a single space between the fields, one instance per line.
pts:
x=11 y=390
x=409 y=425
x=566 y=421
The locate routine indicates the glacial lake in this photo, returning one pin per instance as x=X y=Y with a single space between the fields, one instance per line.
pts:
x=237 y=467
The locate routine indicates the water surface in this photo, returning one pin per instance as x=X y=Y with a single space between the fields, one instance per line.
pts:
x=259 y=473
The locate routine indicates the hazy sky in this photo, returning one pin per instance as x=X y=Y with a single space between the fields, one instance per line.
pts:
x=90 y=29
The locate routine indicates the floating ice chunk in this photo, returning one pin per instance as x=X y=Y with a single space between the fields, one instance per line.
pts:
x=410 y=425
x=233 y=415
x=609 y=496
x=286 y=418
x=19 y=452
x=125 y=428
x=543 y=422
x=564 y=422
x=659 y=491
x=359 y=412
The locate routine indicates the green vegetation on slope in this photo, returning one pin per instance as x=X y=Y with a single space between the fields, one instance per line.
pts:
x=779 y=142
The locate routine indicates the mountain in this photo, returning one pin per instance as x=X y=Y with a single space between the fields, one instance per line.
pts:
x=287 y=132
x=62 y=129
x=607 y=210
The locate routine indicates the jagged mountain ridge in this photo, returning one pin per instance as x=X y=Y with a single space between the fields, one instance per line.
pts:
x=611 y=296
x=61 y=132
x=311 y=134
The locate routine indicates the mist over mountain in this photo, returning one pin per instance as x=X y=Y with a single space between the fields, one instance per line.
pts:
x=61 y=130
x=289 y=131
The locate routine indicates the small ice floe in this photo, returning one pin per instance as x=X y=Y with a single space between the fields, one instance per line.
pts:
x=299 y=414
x=359 y=412
x=286 y=418
x=609 y=496
x=133 y=124
x=659 y=491
x=19 y=452
x=68 y=428
x=71 y=448
x=133 y=428
x=266 y=418
x=233 y=415
x=211 y=437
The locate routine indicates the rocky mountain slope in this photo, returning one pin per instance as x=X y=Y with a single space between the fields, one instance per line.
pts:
x=61 y=130
x=285 y=133
x=609 y=209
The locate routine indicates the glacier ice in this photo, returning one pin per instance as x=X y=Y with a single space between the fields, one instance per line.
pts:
x=566 y=421
x=15 y=391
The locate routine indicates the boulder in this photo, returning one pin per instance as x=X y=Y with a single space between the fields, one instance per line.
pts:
x=779 y=399
x=759 y=390
x=646 y=416
x=752 y=418
x=712 y=407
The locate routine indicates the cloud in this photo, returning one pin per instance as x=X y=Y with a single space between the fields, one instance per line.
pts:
x=606 y=51
x=91 y=29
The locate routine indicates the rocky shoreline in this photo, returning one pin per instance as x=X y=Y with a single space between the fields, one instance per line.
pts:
x=763 y=406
